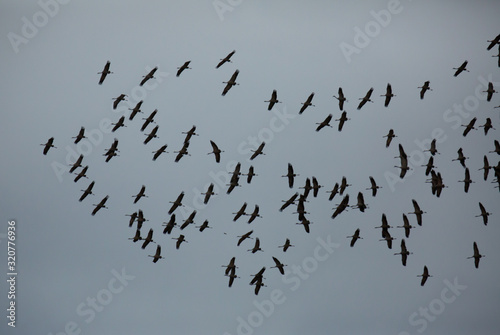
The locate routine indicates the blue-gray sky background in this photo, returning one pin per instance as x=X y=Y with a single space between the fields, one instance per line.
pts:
x=64 y=255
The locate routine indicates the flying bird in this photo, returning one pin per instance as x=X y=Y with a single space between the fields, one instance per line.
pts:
x=497 y=148
x=244 y=237
x=225 y=59
x=182 y=68
x=374 y=187
x=190 y=134
x=80 y=136
x=179 y=239
x=493 y=42
x=157 y=255
x=117 y=100
x=76 y=164
x=81 y=174
x=150 y=75
x=231 y=82
x=254 y=214
x=365 y=99
x=141 y=194
x=361 y=203
x=158 y=152
x=87 y=191
x=483 y=214
x=151 y=135
x=343 y=118
x=169 y=225
x=404 y=252
x=341 y=207
x=216 y=151
x=432 y=149
x=305 y=223
x=477 y=256
x=460 y=69
x=341 y=98
x=256 y=246
x=406 y=225
x=189 y=220
x=203 y=226
x=417 y=211
x=241 y=212
x=104 y=72
x=148 y=239
x=137 y=236
x=424 y=276
x=388 y=95
x=250 y=174
x=182 y=152
x=274 y=100
x=429 y=165
x=334 y=191
x=280 y=266
x=289 y=201
x=120 y=123
x=390 y=135
x=486 y=167
x=487 y=126
x=208 y=193
x=469 y=126
x=343 y=185
x=354 y=237
x=133 y=217
x=48 y=145
x=324 y=123
x=467 y=181
x=149 y=119
x=231 y=266
x=461 y=158
x=101 y=204
x=176 y=203
x=490 y=91
x=315 y=186
x=258 y=151
x=286 y=245
x=290 y=175
x=135 y=110
x=424 y=88
x=307 y=103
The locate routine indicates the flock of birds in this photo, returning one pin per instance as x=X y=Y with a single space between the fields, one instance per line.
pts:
x=298 y=199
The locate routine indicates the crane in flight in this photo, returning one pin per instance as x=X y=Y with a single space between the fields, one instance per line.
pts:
x=149 y=119
x=341 y=207
x=87 y=191
x=366 y=98
x=274 y=100
x=493 y=42
x=48 y=145
x=334 y=191
x=176 y=203
x=467 y=181
x=486 y=167
x=289 y=201
x=241 y=212
x=404 y=252
x=374 y=187
x=104 y=72
x=280 y=266
x=388 y=95
x=497 y=148
x=258 y=151
x=354 y=237
x=390 y=135
x=254 y=214
x=432 y=149
x=151 y=135
x=256 y=246
x=119 y=124
x=343 y=185
x=133 y=216
x=208 y=193
x=80 y=136
x=244 y=237
x=469 y=126
x=361 y=203
x=487 y=126
x=461 y=158
x=290 y=175
x=189 y=220
x=182 y=152
x=184 y=66
x=190 y=133
x=477 y=256
x=225 y=59
x=216 y=151
x=117 y=100
x=286 y=245
x=307 y=103
x=490 y=91
x=417 y=211
x=81 y=174
x=424 y=88
x=169 y=225
x=76 y=164
x=140 y=218
x=388 y=238
x=101 y=204
x=406 y=225
x=231 y=266
x=424 y=276
x=137 y=236
x=148 y=239
x=460 y=69
x=343 y=118
x=150 y=75
x=135 y=110
x=324 y=123
x=141 y=194
x=203 y=226
x=157 y=255
x=341 y=98
x=251 y=173
x=230 y=83
x=484 y=213
x=158 y=152
x=429 y=165
x=179 y=239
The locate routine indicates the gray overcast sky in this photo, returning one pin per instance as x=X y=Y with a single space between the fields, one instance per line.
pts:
x=66 y=257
